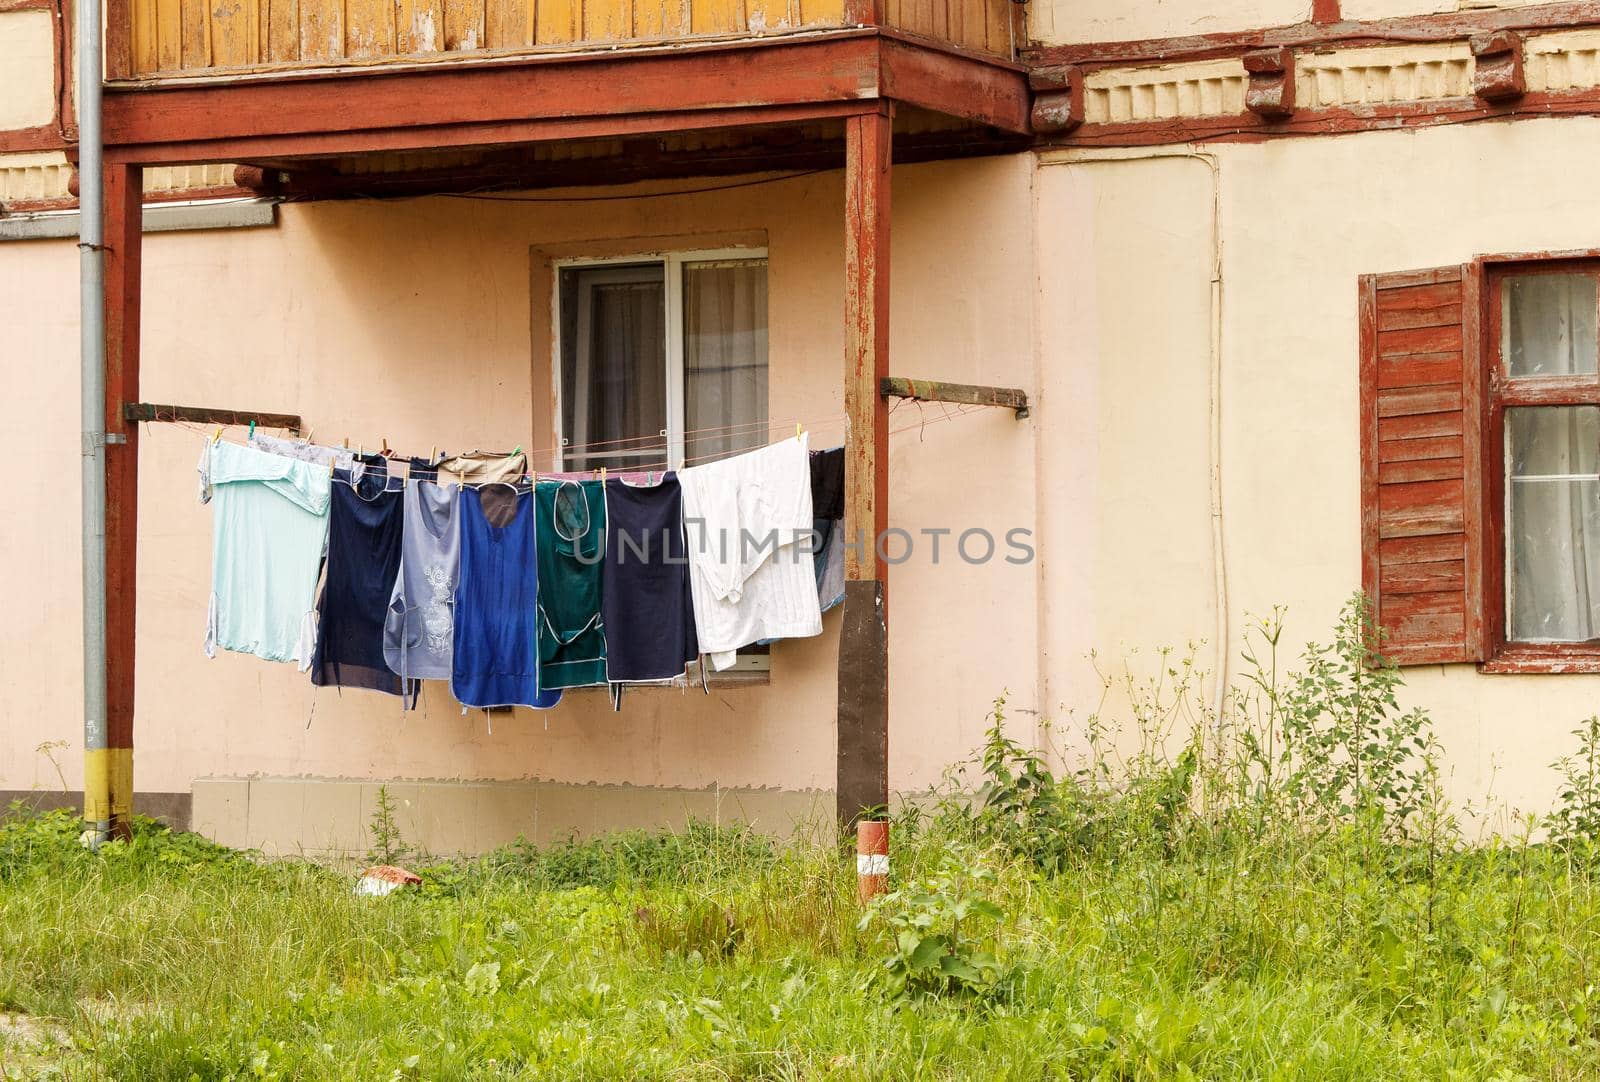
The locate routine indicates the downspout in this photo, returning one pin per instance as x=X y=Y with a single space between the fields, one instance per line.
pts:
x=92 y=354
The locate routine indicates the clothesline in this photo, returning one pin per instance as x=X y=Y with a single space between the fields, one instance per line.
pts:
x=946 y=414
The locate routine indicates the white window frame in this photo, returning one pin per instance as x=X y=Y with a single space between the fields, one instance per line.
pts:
x=674 y=262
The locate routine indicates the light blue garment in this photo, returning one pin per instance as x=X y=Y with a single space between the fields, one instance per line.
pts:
x=269 y=524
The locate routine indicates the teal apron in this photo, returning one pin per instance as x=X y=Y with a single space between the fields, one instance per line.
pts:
x=570 y=517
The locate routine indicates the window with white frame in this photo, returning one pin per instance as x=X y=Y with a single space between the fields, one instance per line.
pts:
x=662 y=359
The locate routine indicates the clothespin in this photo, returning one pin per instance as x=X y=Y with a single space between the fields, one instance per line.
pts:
x=433 y=453
x=252 y=433
x=385 y=440
x=347 y=443
x=217 y=435
x=515 y=451
x=799 y=430
x=602 y=475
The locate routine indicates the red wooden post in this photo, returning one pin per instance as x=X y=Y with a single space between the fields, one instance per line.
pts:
x=124 y=193
x=863 y=718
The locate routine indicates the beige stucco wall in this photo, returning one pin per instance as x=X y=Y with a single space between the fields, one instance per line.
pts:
x=415 y=321
x=27 y=69
x=1125 y=251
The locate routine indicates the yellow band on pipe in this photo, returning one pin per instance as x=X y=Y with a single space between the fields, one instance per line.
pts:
x=107 y=784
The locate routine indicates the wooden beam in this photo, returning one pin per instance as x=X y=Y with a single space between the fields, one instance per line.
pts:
x=151 y=412
x=1316 y=34
x=585 y=95
x=986 y=90
x=967 y=394
x=863 y=716
x=124 y=188
x=611 y=94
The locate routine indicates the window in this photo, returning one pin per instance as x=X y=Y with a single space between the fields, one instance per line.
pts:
x=1481 y=462
x=663 y=360
x=1544 y=391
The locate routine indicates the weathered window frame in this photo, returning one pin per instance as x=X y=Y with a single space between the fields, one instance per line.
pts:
x=1501 y=391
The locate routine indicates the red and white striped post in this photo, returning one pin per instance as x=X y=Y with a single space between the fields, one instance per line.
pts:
x=872 y=859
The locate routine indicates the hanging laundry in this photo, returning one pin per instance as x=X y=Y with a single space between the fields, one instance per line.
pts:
x=269 y=525
x=570 y=517
x=827 y=483
x=303 y=450
x=419 y=629
x=750 y=575
x=364 y=545
x=829 y=557
x=495 y=653
x=484 y=467
x=649 y=619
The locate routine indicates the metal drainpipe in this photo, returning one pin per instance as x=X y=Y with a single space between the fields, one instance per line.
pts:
x=92 y=348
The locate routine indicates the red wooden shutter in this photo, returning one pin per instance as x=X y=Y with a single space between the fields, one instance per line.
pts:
x=1422 y=422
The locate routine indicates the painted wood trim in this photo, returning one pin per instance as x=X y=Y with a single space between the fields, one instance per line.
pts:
x=1246 y=127
x=124 y=187
x=1474 y=418
x=868 y=140
x=1447 y=26
x=1502 y=655
x=1367 y=331
x=31 y=140
x=573 y=96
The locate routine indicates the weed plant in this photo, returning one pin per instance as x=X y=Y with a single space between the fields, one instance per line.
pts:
x=1279 y=892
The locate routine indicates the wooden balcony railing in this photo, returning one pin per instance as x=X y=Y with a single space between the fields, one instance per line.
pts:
x=163 y=39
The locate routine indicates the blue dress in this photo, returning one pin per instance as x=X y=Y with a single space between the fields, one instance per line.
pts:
x=496 y=646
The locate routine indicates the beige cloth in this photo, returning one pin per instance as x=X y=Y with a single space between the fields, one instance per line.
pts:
x=484 y=467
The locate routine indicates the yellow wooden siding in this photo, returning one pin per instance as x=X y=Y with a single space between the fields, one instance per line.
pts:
x=983 y=26
x=174 y=37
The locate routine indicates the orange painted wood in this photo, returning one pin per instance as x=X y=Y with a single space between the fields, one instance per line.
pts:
x=607 y=20
x=124 y=189
x=508 y=24
x=168 y=38
x=661 y=19
x=321 y=29
x=556 y=23
x=716 y=16
x=196 y=47
x=1421 y=520
x=281 y=31
x=419 y=26
x=234 y=32
x=463 y=24
x=369 y=28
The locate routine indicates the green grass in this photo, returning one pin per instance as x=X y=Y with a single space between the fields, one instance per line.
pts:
x=1287 y=897
x=709 y=954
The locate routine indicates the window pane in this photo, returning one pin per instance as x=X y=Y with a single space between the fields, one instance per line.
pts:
x=724 y=357
x=613 y=366
x=1548 y=324
x=1553 y=524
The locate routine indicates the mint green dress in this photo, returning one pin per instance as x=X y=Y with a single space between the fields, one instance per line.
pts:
x=269 y=526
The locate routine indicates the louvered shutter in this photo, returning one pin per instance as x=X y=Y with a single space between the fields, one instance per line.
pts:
x=1422 y=423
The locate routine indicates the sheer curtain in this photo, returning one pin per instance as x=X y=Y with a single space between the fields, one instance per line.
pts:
x=614 y=365
x=1553 y=452
x=724 y=357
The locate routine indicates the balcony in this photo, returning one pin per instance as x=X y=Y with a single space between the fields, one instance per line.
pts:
x=186 y=39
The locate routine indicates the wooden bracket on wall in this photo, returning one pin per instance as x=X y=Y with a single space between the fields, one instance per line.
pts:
x=151 y=412
x=1497 y=69
x=966 y=394
x=1057 y=99
x=1270 y=91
